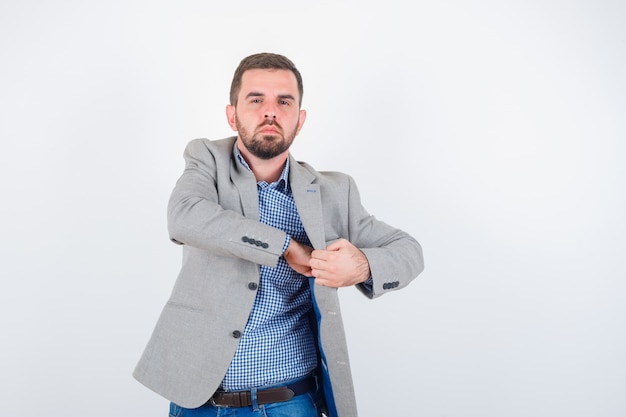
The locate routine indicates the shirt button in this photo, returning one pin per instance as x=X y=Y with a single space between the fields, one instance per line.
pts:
x=236 y=334
x=253 y=286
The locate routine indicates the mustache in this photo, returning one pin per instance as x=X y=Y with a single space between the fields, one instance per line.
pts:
x=270 y=122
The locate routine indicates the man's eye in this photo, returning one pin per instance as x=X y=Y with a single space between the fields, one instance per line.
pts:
x=284 y=102
x=255 y=100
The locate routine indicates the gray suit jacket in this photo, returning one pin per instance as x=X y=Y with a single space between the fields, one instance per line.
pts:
x=213 y=213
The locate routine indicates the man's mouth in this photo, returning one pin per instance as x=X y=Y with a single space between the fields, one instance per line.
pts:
x=269 y=128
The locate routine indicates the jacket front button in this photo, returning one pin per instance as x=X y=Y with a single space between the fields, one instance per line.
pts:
x=253 y=286
x=236 y=334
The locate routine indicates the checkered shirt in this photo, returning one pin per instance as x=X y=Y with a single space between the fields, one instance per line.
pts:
x=277 y=343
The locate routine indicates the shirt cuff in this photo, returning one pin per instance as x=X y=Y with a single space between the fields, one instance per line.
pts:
x=286 y=244
x=368 y=285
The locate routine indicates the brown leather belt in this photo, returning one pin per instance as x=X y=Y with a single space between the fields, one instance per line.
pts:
x=264 y=396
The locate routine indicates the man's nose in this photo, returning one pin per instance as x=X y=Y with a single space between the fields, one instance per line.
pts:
x=270 y=111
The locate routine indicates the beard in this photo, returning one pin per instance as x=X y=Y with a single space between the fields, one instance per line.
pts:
x=266 y=146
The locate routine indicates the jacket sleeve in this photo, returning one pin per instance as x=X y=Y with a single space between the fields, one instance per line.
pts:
x=205 y=209
x=394 y=256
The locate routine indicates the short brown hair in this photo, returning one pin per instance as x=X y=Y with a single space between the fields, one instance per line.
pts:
x=263 y=60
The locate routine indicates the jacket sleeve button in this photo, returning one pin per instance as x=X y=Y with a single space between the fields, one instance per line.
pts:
x=253 y=286
x=236 y=334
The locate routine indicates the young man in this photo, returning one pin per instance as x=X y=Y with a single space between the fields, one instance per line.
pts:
x=253 y=325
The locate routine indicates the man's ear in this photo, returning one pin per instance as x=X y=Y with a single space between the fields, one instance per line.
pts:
x=301 y=120
x=231 y=116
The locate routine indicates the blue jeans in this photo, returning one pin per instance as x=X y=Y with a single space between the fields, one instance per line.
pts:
x=305 y=405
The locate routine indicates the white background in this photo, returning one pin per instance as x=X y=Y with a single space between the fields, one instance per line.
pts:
x=492 y=131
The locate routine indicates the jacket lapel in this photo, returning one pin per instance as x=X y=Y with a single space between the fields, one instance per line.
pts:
x=308 y=200
x=245 y=182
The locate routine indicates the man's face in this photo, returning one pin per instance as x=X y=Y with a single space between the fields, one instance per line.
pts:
x=267 y=116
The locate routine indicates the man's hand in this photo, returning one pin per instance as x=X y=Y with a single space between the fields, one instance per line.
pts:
x=298 y=256
x=341 y=265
